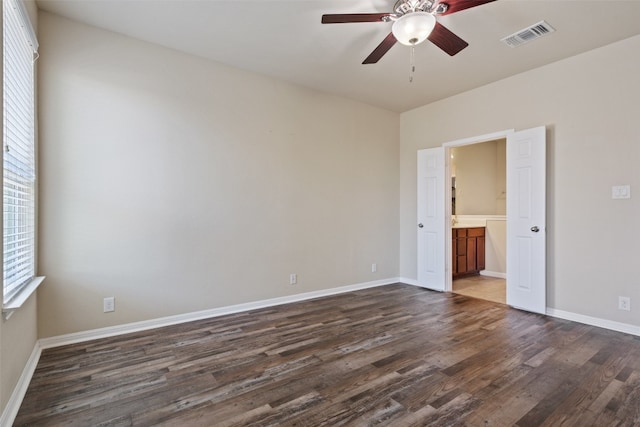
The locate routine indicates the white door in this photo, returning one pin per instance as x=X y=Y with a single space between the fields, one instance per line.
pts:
x=526 y=225
x=431 y=219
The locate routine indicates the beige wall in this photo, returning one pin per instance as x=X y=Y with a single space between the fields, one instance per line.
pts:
x=589 y=104
x=480 y=178
x=19 y=333
x=495 y=251
x=177 y=184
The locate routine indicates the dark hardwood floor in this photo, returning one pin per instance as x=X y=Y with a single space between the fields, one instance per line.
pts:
x=394 y=355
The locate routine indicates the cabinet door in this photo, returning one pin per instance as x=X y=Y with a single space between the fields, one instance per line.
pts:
x=461 y=251
x=454 y=255
x=480 y=253
x=468 y=250
x=462 y=258
x=471 y=254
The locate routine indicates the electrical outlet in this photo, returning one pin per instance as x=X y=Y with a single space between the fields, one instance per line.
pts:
x=374 y=267
x=109 y=304
x=293 y=279
x=624 y=303
x=621 y=192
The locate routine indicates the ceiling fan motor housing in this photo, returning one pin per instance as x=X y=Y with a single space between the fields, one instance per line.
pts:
x=402 y=7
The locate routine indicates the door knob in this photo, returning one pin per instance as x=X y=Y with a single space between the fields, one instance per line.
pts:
x=420 y=225
x=535 y=229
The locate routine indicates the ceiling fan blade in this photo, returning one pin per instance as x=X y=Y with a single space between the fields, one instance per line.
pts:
x=458 y=5
x=345 y=18
x=382 y=48
x=442 y=37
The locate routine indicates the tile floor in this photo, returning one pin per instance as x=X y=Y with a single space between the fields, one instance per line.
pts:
x=483 y=287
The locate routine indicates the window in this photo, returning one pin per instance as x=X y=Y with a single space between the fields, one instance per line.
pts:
x=19 y=172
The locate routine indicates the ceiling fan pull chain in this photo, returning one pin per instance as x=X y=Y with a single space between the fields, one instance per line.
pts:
x=412 y=68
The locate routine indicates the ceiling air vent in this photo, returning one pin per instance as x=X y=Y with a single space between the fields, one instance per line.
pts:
x=526 y=35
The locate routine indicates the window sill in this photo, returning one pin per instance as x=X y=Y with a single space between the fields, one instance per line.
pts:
x=18 y=300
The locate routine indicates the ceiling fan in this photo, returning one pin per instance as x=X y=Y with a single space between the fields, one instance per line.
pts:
x=414 y=21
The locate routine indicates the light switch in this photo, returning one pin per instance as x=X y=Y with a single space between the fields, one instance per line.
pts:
x=621 y=192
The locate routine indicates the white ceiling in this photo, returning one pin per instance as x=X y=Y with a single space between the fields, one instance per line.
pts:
x=285 y=39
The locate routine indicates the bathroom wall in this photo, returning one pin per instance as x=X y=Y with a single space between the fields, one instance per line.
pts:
x=480 y=171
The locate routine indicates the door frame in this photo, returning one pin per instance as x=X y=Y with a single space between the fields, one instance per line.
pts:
x=448 y=285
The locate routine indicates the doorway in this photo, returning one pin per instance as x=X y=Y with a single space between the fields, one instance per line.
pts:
x=478 y=219
x=526 y=225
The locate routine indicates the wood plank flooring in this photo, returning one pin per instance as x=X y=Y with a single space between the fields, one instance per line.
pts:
x=394 y=355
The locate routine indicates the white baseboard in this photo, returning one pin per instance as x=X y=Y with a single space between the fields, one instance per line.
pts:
x=412 y=282
x=595 y=321
x=13 y=405
x=111 y=331
x=144 y=325
x=567 y=315
x=495 y=274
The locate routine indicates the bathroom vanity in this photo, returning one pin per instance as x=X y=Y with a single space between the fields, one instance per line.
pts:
x=468 y=250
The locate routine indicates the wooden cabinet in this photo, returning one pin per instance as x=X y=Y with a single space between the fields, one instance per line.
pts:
x=468 y=250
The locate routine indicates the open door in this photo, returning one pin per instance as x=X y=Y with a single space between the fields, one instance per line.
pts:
x=431 y=219
x=526 y=221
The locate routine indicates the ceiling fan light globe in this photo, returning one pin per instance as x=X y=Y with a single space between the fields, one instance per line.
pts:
x=413 y=28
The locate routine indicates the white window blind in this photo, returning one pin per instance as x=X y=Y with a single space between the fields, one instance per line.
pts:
x=19 y=177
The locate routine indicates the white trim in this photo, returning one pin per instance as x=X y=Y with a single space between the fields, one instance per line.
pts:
x=448 y=286
x=480 y=138
x=495 y=274
x=468 y=223
x=417 y=284
x=407 y=281
x=462 y=218
x=144 y=325
x=567 y=315
x=595 y=321
x=13 y=405
x=21 y=297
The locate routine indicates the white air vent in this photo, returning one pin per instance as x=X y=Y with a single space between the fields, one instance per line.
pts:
x=531 y=33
